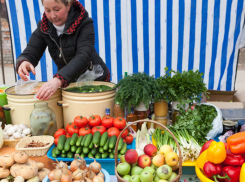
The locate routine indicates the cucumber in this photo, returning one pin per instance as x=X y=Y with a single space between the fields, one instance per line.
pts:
x=74 y=139
x=96 y=138
x=88 y=140
x=67 y=144
x=90 y=155
x=124 y=149
x=54 y=152
x=61 y=142
x=79 y=140
x=104 y=155
x=112 y=141
x=79 y=150
x=85 y=150
x=83 y=140
x=110 y=150
x=111 y=155
x=97 y=156
x=63 y=151
x=120 y=144
x=91 y=145
x=58 y=152
x=101 y=150
x=83 y=155
x=69 y=154
x=93 y=151
x=103 y=139
x=119 y=155
x=63 y=155
x=106 y=146
x=73 y=148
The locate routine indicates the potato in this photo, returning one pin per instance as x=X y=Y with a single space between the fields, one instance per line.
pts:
x=6 y=160
x=4 y=180
x=21 y=157
x=34 y=179
x=27 y=170
x=40 y=165
x=43 y=173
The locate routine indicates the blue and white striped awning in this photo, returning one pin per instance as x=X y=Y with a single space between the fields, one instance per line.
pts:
x=148 y=35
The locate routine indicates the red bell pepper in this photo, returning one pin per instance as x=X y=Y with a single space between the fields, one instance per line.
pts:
x=233 y=159
x=212 y=170
x=230 y=174
x=206 y=145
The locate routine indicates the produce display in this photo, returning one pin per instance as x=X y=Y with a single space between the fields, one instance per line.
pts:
x=18 y=167
x=77 y=171
x=152 y=165
x=89 y=88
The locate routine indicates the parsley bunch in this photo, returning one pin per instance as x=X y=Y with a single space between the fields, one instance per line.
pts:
x=197 y=122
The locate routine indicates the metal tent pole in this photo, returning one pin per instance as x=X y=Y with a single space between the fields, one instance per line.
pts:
x=1 y=44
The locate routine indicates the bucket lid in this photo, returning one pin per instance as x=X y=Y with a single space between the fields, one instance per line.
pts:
x=241 y=122
x=229 y=123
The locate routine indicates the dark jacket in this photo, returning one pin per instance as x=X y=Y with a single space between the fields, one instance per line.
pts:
x=73 y=51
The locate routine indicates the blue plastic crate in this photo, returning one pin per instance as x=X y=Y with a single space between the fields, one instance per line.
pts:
x=108 y=164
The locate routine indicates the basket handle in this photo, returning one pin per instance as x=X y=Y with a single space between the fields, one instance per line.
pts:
x=155 y=122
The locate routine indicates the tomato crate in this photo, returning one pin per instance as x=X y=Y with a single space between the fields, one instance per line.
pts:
x=108 y=164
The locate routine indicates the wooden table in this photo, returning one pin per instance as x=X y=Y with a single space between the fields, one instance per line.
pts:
x=48 y=163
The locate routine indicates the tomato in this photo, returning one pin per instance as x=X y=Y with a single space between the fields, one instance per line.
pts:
x=129 y=139
x=84 y=131
x=124 y=134
x=100 y=128
x=107 y=121
x=73 y=129
x=56 y=140
x=119 y=123
x=80 y=121
x=59 y=132
x=94 y=120
x=113 y=131
x=124 y=140
x=68 y=135
x=69 y=125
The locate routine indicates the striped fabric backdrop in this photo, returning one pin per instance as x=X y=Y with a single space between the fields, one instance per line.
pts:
x=148 y=35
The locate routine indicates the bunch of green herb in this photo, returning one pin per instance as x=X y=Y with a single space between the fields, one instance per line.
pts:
x=197 y=122
x=137 y=88
x=184 y=87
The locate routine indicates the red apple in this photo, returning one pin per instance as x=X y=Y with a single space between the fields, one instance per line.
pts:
x=131 y=156
x=144 y=161
x=150 y=150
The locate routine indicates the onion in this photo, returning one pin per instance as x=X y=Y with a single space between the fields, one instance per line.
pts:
x=57 y=174
x=63 y=165
x=66 y=171
x=87 y=180
x=78 y=175
x=51 y=176
x=101 y=174
x=95 y=167
x=98 y=179
x=78 y=162
x=90 y=174
x=66 y=178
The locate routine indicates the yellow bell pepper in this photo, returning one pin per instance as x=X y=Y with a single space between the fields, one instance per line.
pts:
x=216 y=152
x=242 y=173
x=202 y=159
x=154 y=141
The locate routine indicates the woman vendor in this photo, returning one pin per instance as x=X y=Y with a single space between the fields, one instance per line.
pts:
x=69 y=34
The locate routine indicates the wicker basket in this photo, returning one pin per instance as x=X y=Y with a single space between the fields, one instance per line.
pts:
x=35 y=151
x=177 y=179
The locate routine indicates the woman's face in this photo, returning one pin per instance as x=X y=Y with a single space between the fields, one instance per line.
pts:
x=56 y=12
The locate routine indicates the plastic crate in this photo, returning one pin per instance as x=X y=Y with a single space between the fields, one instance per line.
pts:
x=108 y=164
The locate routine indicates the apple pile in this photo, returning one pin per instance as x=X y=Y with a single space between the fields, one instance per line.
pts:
x=153 y=166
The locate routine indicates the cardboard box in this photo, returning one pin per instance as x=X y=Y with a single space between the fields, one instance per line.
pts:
x=223 y=99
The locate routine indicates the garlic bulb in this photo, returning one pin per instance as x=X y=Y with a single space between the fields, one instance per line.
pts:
x=26 y=131
x=10 y=131
x=17 y=135
x=23 y=126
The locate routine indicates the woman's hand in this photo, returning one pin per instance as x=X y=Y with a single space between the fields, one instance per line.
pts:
x=24 y=69
x=48 y=89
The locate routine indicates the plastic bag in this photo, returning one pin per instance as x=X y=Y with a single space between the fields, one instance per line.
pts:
x=25 y=87
x=224 y=137
x=90 y=76
x=217 y=123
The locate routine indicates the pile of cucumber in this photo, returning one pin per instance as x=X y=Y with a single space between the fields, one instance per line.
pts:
x=97 y=146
